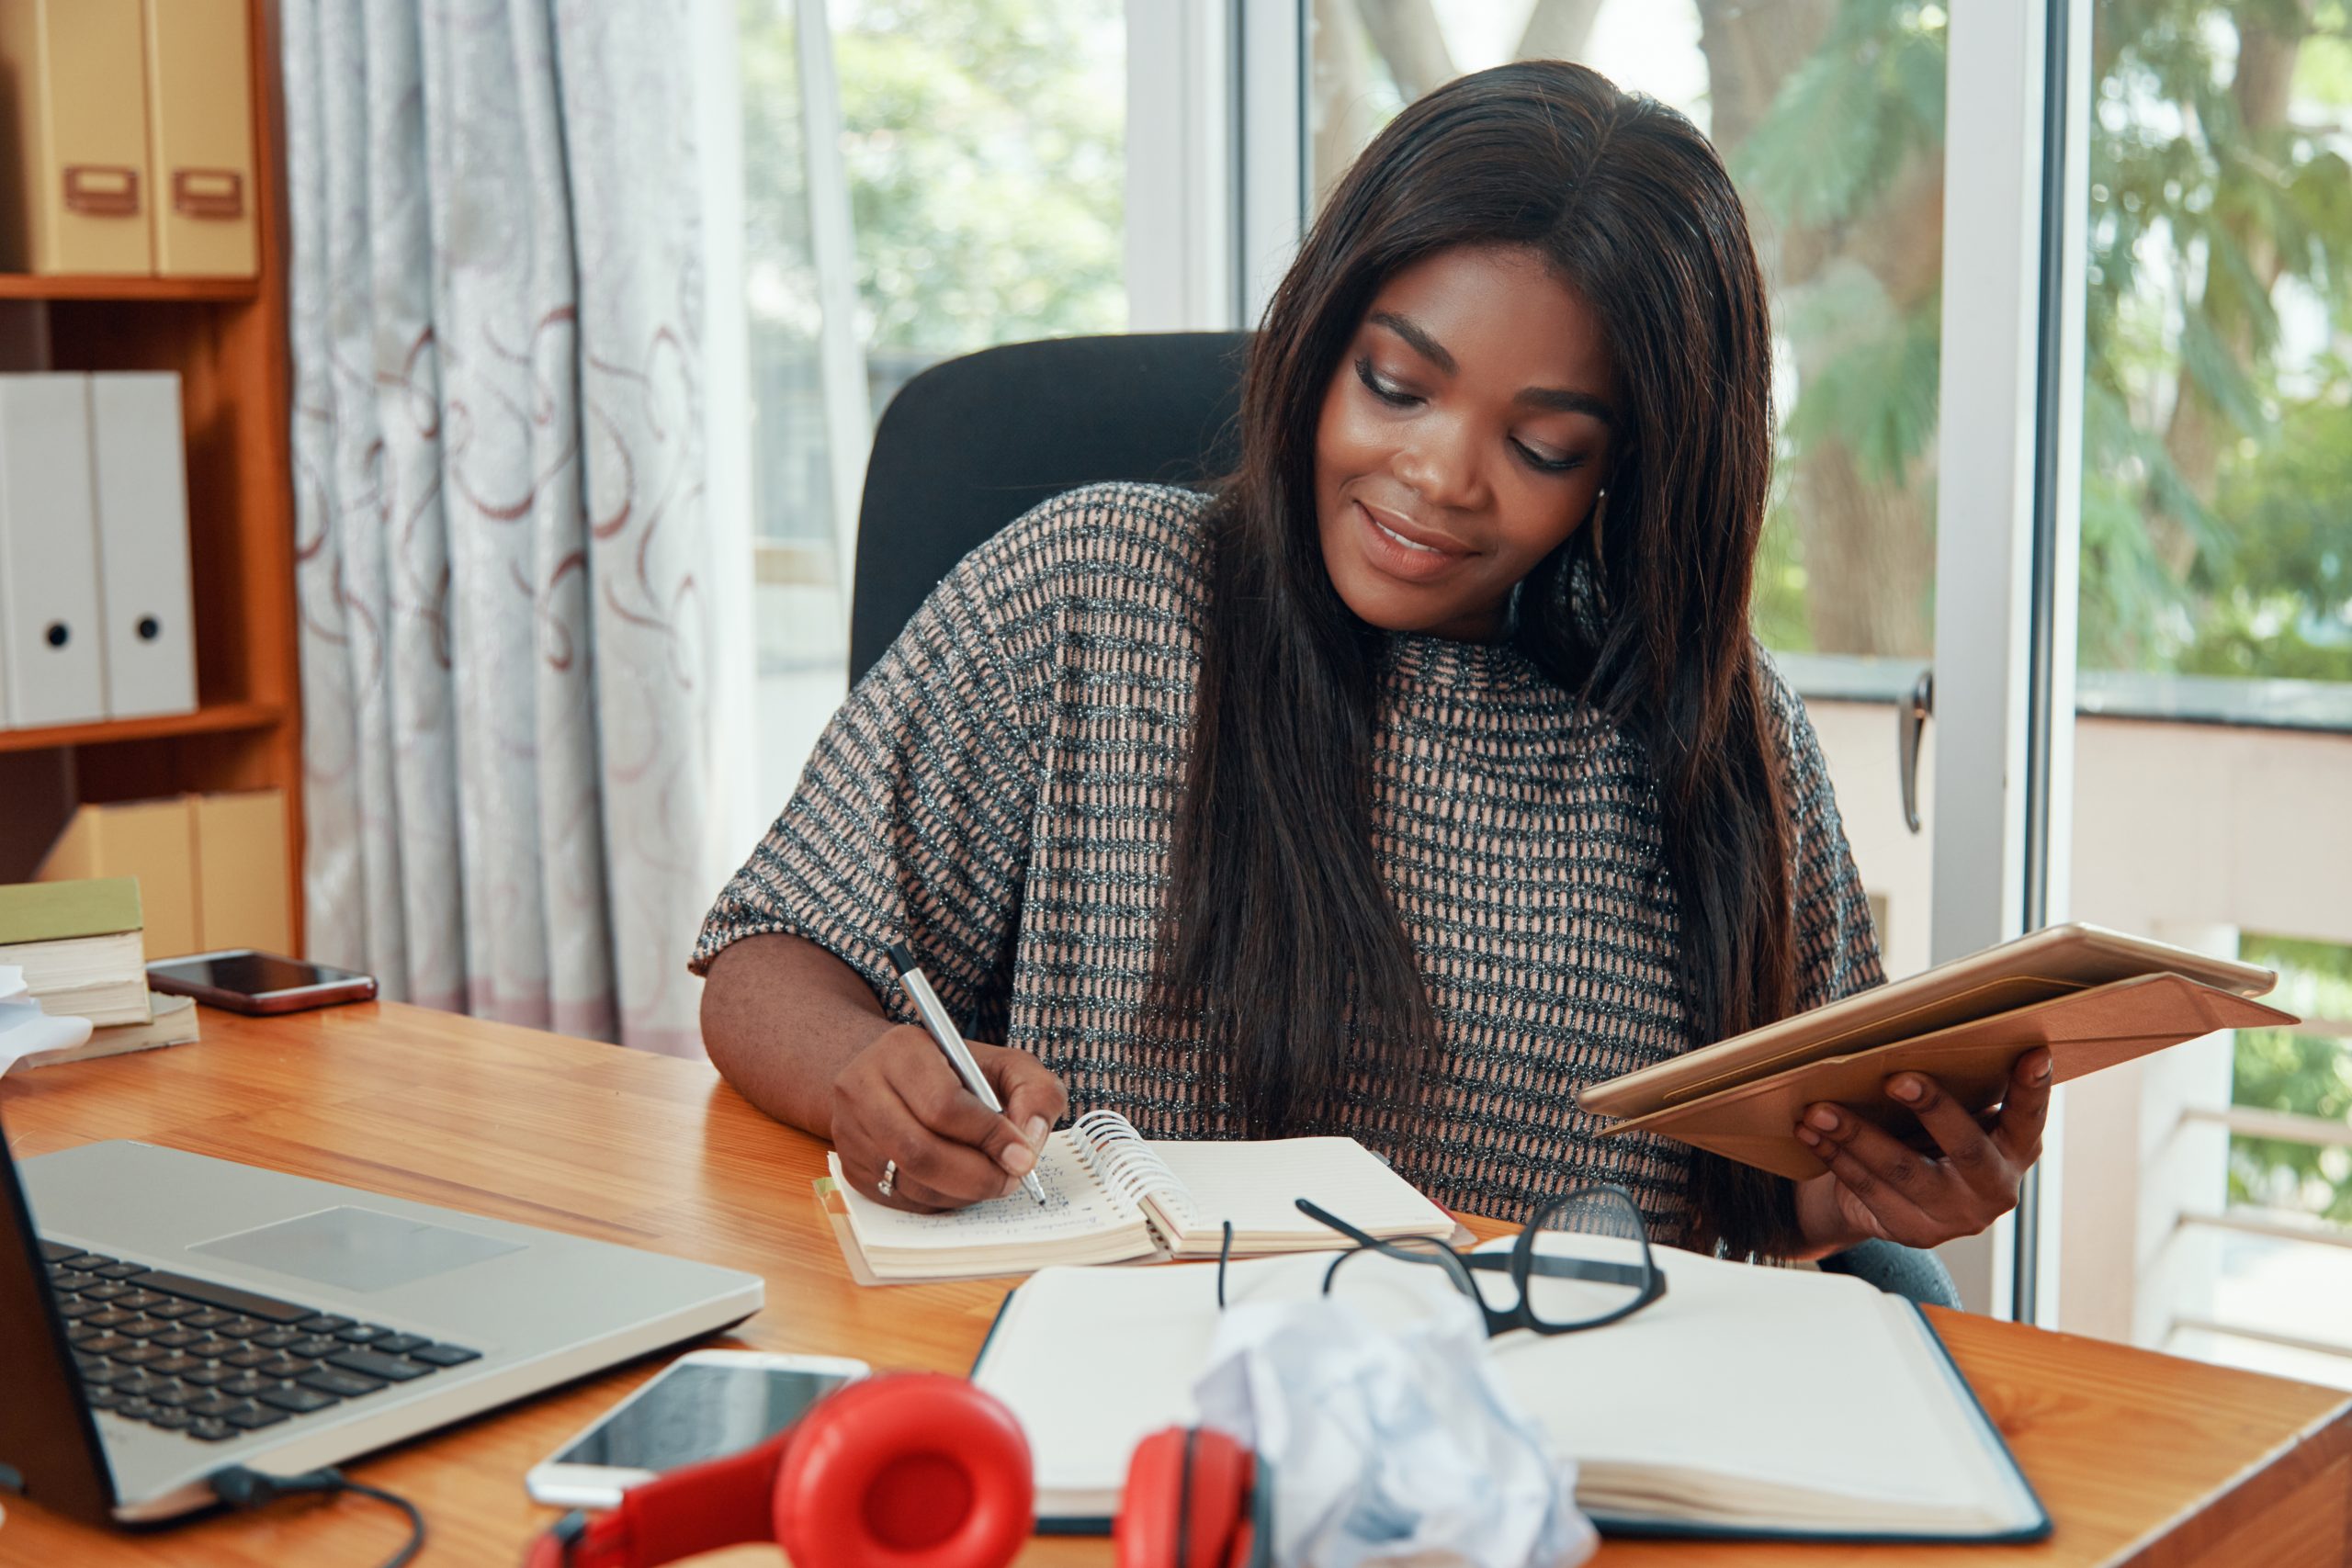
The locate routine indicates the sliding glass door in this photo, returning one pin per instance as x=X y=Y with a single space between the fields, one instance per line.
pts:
x=2214 y=752
x=2062 y=290
x=916 y=179
x=1832 y=124
x=1833 y=121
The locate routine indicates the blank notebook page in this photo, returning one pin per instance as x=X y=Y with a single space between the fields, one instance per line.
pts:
x=1093 y=1360
x=1255 y=1185
x=1795 y=1378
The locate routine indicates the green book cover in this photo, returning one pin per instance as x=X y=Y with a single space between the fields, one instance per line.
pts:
x=55 y=911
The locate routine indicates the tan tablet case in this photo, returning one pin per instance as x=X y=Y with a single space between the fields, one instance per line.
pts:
x=2085 y=1031
x=2059 y=961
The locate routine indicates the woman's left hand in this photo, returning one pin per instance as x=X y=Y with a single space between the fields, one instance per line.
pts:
x=1874 y=1185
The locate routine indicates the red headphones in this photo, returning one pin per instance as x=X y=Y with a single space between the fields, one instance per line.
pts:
x=1195 y=1499
x=909 y=1470
x=919 y=1469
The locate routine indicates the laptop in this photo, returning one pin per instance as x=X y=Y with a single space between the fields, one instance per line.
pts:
x=173 y=1316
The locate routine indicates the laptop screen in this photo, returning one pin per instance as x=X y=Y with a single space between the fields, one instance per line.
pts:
x=49 y=1439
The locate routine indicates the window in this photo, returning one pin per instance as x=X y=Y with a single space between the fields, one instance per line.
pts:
x=971 y=187
x=2283 y=1267
x=1831 y=120
x=2216 y=570
x=2216 y=487
x=2215 y=559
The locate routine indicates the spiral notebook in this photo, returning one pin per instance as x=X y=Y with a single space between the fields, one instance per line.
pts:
x=1112 y=1195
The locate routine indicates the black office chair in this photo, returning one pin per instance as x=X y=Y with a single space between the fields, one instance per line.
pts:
x=1907 y=1271
x=973 y=443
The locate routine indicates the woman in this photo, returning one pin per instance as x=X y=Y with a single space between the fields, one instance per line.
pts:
x=1426 y=774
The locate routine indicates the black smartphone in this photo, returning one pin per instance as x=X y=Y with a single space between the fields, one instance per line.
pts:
x=243 y=979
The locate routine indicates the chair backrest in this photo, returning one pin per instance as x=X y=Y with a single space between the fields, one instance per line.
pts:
x=973 y=443
x=1907 y=1271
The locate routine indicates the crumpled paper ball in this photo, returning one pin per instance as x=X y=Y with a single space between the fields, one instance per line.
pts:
x=1389 y=1447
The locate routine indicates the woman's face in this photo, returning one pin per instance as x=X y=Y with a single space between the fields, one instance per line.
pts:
x=1464 y=436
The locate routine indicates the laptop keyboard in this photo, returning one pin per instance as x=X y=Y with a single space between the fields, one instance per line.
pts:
x=212 y=1361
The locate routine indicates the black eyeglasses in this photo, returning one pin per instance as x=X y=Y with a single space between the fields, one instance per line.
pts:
x=1580 y=1290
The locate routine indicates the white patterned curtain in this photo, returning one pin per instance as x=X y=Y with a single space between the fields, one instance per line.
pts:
x=497 y=322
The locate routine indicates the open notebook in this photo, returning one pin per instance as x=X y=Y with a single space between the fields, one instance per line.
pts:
x=1748 y=1400
x=1112 y=1195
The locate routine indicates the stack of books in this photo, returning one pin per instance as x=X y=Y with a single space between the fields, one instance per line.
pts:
x=80 y=946
x=74 y=953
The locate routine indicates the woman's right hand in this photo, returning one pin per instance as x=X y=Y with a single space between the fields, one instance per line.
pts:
x=900 y=1101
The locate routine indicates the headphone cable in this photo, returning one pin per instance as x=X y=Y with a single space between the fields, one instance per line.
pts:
x=243 y=1488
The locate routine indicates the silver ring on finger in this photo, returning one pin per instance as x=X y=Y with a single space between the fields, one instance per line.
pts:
x=889 y=1175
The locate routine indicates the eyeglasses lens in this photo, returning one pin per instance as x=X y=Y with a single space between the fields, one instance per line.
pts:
x=1590 y=1260
x=1396 y=1284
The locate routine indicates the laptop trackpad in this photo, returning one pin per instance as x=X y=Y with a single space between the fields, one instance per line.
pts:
x=355 y=1249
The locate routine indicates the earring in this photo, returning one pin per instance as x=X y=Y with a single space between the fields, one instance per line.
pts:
x=1599 y=571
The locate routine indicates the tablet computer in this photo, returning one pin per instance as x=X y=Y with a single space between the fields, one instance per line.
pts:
x=2041 y=966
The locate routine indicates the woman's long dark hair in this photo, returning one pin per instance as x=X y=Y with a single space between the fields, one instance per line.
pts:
x=1284 y=942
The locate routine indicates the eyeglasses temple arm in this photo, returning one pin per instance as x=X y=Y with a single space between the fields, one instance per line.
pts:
x=1323 y=1216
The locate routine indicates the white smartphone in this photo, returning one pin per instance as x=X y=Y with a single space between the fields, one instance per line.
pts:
x=705 y=1404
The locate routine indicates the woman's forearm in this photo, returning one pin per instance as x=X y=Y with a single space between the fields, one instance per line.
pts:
x=780 y=1017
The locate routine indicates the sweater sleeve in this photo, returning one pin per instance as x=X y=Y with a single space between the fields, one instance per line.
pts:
x=1837 y=943
x=912 y=820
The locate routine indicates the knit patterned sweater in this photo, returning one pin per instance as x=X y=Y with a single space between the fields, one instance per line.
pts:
x=999 y=792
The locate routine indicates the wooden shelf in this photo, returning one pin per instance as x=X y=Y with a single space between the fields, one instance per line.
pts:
x=99 y=286
x=218 y=719
x=225 y=338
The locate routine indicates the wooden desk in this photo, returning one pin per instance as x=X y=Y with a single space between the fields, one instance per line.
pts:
x=2142 y=1459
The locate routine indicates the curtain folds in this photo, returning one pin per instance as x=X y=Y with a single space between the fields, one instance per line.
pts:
x=498 y=440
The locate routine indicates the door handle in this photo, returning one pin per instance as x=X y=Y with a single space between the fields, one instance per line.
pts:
x=1910 y=723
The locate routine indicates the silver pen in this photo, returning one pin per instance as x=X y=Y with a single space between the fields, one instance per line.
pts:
x=951 y=1041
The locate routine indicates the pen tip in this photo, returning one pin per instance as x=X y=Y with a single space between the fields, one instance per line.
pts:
x=900 y=959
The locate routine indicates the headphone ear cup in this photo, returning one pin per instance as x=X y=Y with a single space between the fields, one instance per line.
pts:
x=1188 y=1492
x=1220 y=1506
x=1143 y=1535
x=909 y=1470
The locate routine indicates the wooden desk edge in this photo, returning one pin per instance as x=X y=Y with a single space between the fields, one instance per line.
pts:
x=2304 y=1479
